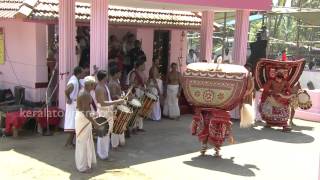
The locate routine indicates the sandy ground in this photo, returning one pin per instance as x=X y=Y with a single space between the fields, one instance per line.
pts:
x=168 y=151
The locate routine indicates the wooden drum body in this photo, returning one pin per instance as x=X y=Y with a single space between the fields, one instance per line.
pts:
x=123 y=114
x=135 y=106
x=206 y=86
x=148 y=101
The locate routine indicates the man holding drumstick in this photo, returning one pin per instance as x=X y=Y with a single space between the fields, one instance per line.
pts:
x=137 y=79
x=104 y=109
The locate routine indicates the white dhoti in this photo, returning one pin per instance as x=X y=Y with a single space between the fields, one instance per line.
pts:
x=171 y=103
x=117 y=139
x=139 y=120
x=84 y=154
x=104 y=142
x=156 y=110
x=69 y=119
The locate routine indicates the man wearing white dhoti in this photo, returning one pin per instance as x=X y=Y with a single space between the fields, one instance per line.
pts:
x=105 y=109
x=155 y=86
x=116 y=92
x=171 y=104
x=85 y=155
x=137 y=79
x=71 y=93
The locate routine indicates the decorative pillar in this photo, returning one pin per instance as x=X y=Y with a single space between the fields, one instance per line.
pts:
x=239 y=55
x=67 y=53
x=206 y=33
x=99 y=34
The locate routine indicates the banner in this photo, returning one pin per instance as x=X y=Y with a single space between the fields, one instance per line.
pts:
x=1 y=46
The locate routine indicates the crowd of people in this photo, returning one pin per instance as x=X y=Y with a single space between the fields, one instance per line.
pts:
x=123 y=52
x=94 y=96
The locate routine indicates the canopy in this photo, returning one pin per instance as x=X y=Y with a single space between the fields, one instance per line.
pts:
x=307 y=15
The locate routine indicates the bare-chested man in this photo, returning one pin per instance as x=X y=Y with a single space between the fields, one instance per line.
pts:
x=137 y=79
x=155 y=86
x=172 y=93
x=84 y=154
x=105 y=109
x=116 y=92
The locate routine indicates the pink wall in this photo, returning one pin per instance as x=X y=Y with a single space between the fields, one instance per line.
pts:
x=146 y=35
x=178 y=48
x=25 y=56
x=236 y=4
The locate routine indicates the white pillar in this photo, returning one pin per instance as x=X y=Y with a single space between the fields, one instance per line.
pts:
x=206 y=34
x=99 y=34
x=67 y=54
x=239 y=55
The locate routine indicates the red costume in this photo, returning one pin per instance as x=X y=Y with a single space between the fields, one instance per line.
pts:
x=277 y=78
x=211 y=126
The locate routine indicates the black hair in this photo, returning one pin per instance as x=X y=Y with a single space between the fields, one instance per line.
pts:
x=174 y=64
x=137 y=43
x=130 y=35
x=112 y=37
x=155 y=58
x=77 y=70
x=101 y=75
x=140 y=62
x=113 y=70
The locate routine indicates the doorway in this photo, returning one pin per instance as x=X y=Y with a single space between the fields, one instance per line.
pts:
x=161 y=46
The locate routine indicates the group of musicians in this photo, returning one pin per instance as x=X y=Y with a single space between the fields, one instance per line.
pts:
x=92 y=97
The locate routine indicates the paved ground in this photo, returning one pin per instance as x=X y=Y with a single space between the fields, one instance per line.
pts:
x=168 y=151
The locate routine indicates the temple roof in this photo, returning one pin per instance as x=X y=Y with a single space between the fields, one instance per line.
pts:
x=47 y=10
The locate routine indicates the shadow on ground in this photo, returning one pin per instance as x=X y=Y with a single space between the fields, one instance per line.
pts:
x=219 y=164
x=162 y=140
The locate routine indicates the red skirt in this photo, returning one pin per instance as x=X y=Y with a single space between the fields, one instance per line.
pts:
x=211 y=125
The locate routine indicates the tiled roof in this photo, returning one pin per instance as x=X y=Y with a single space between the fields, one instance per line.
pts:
x=48 y=10
x=8 y=8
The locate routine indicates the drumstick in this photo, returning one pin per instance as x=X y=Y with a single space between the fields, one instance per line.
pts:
x=129 y=91
x=103 y=123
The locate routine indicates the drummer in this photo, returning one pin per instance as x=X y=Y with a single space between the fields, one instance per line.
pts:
x=138 y=80
x=105 y=109
x=115 y=92
x=155 y=85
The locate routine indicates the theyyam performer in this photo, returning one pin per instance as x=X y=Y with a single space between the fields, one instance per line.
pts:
x=85 y=156
x=278 y=80
x=214 y=90
x=104 y=109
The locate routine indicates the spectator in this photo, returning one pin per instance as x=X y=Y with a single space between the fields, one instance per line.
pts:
x=135 y=54
x=192 y=57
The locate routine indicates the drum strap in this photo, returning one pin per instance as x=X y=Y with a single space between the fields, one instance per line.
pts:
x=138 y=77
x=94 y=106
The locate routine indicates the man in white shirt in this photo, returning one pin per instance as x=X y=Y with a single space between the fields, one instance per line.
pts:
x=192 y=57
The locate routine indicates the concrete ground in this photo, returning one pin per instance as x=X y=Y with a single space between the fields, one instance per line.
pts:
x=167 y=151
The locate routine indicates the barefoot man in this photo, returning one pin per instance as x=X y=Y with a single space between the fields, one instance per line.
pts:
x=155 y=85
x=137 y=79
x=84 y=155
x=105 y=109
x=71 y=93
x=115 y=91
x=172 y=93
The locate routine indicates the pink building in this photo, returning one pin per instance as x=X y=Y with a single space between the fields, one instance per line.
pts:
x=26 y=34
